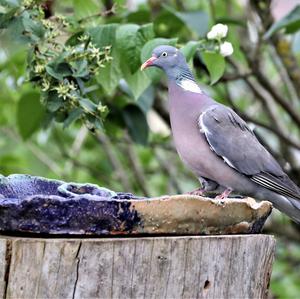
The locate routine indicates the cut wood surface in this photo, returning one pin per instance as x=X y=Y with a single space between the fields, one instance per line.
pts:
x=236 y=266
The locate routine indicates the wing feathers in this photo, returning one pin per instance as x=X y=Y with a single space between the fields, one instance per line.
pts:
x=276 y=185
x=231 y=139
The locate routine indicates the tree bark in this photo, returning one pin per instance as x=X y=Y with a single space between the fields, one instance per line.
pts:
x=236 y=266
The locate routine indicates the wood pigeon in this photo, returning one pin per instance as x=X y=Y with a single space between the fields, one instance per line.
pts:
x=216 y=144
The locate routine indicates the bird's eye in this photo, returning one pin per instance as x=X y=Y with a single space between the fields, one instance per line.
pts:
x=164 y=54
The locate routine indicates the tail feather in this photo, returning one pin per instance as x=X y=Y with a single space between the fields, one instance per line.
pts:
x=288 y=205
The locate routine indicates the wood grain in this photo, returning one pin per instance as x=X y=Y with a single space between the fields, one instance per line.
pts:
x=236 y=266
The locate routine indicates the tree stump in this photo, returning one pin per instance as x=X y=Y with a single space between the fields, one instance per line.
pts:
x=236 y=266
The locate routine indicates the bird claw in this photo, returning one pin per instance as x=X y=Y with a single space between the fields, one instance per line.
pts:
x=224 y=194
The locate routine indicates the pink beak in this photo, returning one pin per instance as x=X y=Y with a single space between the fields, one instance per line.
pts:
x=148 y=62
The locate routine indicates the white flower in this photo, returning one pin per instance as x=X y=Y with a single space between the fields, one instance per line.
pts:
x=217 y=31
x=226 y=49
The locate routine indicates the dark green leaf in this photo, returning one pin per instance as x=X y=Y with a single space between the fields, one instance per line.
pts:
x=136 y=123
x=291 y=22
x=30 y=113
x=231 y=21
x=139 y=17
x=196 y=21
x=5 y=18
x=145 y=101
x=32 y=28
x=53 y=101
x=58 y=70
x=73 y=39
x=75 y=114
x=215 y=64
x=88 y=105
x=80 y=68
x=166 y=24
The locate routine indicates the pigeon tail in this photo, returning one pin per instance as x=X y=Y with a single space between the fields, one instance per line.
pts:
x=288 y=205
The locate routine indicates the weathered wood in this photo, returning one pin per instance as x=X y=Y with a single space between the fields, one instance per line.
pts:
x=162 y=267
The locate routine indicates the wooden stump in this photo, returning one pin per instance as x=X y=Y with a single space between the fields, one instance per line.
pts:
x=236 y=266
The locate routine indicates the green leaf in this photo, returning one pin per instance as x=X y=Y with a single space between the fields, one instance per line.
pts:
x=137 y=82
x=215 y=64
x=189 y=49
x=30 y=113
x=103 y=35
x=130 y=40
x=136 y=123
x=80 y=68
x=146 y=53
x=197 y=21
x=32 y=28
x=5 y=18
x=10 y=3
x=83 y=8
x=291 y=23
x=111 y=74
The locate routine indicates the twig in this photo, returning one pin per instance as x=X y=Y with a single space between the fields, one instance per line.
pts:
x=114 y=160
x=40 y=155
x=105 y=13
x=282 y=46
x=169 y=171
x=136 y=166
x=284 y=75
x=75 y=149
x=284 y=137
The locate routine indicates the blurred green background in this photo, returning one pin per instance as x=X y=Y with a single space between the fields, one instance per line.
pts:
x=75 y=106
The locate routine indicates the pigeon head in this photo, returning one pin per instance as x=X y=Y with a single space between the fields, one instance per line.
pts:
x=169 y=59
x=173 y=63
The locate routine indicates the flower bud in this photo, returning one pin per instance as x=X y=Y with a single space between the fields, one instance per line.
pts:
x=226 y=49
x=217 y=31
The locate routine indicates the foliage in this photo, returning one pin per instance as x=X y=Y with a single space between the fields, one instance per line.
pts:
x=68 y=68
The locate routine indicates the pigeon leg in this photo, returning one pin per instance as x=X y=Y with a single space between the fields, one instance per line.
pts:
x=198 y=192
x=224 y=194
x=208 y=187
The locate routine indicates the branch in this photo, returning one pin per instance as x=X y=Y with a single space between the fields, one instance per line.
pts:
x=281 y=44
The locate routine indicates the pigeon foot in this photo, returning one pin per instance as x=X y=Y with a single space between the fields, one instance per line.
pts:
x=224 y=194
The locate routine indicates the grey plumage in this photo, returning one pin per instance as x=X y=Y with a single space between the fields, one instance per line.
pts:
x=217 y=144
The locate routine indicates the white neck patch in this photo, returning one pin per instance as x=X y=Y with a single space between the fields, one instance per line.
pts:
x=190 y=85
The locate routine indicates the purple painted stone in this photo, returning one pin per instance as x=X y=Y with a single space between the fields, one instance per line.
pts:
x=40 y=205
